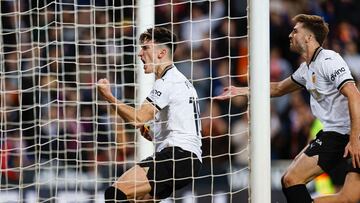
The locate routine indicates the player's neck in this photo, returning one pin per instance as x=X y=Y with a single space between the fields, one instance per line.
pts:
x=309 y=53
x=160 y=70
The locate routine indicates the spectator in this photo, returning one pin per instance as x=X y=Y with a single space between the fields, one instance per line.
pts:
x=352 y=58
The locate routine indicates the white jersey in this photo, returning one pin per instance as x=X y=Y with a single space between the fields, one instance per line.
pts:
x=177 y=122
x=323 y=78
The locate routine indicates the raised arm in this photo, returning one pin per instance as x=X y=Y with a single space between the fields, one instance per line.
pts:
x=353 y=148
x=136 y=117
x=283 y=87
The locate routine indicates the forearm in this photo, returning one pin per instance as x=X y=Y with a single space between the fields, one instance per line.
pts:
x=126 y=112
x=274 y=89
x=354 y=108
x=286 y=86
x=134 y=116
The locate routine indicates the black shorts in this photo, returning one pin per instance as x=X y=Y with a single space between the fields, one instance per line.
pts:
x=338 y=174
x=330 y=146
x=352 y=169
x=173 y=166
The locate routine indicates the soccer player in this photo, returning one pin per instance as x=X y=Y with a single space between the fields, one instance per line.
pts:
x=173 y=106
x=335 y=100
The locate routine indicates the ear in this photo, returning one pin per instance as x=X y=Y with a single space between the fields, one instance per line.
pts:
x=309 y=37
x=162 y=53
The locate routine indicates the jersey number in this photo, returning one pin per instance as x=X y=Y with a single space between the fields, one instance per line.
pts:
x=195 y=103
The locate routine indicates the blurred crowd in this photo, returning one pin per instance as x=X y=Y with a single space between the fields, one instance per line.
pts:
x=53 y=53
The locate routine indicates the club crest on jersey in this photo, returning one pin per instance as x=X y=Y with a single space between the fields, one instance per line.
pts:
x=313 y=78
x=337 y=73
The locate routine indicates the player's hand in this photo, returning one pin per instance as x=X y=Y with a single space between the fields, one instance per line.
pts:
x=232 y=91
x=104 y=88
x=145 y=132
x=353 y=149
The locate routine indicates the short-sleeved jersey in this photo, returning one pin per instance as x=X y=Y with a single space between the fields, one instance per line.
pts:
x=323 y=78
x=177 y=122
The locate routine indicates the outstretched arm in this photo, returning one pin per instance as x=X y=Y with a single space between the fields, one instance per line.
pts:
x=232 y=91
x=277 y=89
x=353 y=147
x=136 y=117
x=283 y=87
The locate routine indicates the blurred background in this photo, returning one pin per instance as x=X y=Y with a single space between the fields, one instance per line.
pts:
x=57 y=132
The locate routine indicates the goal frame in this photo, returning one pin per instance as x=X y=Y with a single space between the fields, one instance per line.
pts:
x=259 y=70
x=259 y=83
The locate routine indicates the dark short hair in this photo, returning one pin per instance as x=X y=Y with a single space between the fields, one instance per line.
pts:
x=160 y=35
x=315 y=24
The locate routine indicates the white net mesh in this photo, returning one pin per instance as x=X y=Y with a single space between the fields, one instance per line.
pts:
x=60 y=142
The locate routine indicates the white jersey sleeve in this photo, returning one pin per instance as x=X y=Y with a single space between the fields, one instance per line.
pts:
x=336 y=71
x=298 y=76
x=159 y=96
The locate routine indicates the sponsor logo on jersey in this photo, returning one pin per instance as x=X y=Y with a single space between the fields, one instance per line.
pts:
x=156 y=92
x=337 y=73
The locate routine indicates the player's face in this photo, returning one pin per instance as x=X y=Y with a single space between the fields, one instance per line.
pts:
x=148 y=56
x=298 y=38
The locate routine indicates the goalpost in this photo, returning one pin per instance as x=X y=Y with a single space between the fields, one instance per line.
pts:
x=145 y=20
x=260 y=101
x=61 y=142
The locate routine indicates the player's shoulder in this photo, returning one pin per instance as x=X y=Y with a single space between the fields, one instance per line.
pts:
x=330 y=63
x=328 y=56
x=173 y=75
x=328 y=60
x=170 y=79
x=302 y=67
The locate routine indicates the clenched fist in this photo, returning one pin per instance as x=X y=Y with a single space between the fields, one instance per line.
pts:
x=104 y=89
x=147 y=131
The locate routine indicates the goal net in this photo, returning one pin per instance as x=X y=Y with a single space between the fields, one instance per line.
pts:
x=61 y=142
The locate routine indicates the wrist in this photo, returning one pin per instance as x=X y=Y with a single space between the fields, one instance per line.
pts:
x=111 y=99
x=354 y=137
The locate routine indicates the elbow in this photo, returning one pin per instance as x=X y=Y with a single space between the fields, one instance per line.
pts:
x=274 y=90
x=138 y=125
x=275 y=94
x=139 y=121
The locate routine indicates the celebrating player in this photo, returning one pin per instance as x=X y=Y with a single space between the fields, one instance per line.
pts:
x=334 y=100
x=173 y=106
